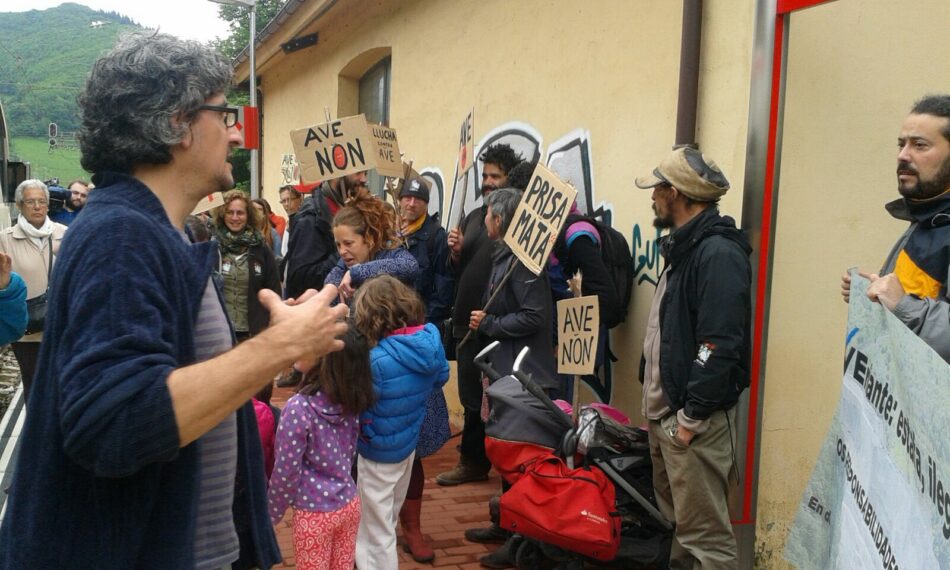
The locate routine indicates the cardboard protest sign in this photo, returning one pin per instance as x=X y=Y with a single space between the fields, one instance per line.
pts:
x=388 y=159
x=467 y=144
x=334 y=149
x=578 y=322
x=208 y=202
x=879 y=495
x=539 y=217
x=289 y=170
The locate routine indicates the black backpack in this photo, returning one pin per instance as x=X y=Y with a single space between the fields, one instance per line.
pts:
x=615 y=252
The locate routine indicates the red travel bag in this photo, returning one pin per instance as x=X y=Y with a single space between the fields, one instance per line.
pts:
x=569 y=508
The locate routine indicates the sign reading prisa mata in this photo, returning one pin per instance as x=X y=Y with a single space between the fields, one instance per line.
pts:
x=541 y=213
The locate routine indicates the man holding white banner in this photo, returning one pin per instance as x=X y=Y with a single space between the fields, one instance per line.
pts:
x=696 y=357
x=878 y=496
x=913 y=282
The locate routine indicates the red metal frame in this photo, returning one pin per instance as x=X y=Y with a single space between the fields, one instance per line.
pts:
x=783 y=10
x=788 y=6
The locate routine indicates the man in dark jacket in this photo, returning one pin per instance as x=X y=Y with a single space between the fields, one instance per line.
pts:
x=470 y=258
x=696 y=356
x=426 y=241
x=311 y=251
x=140 y=442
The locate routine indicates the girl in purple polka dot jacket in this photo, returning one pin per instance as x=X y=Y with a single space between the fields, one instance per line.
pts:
x=315 y=450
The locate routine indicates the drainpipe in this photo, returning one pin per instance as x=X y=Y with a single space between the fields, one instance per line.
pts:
x=689 y=74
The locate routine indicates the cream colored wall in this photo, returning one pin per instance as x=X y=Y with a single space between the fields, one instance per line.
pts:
x=854 y=70
x=609 y=67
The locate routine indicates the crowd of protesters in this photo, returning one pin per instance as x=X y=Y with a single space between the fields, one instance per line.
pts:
x=149 y=434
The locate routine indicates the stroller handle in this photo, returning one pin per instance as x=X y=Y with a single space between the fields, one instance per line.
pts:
x=532 y=387
x=481 y=360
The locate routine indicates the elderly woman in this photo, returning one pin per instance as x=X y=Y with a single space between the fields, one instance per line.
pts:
x=522 y=312
x=246 y=265
x=32 y=244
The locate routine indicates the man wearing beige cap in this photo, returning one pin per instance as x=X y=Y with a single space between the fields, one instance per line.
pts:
x=696 y=357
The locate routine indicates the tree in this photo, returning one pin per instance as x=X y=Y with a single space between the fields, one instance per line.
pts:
x=239 y=19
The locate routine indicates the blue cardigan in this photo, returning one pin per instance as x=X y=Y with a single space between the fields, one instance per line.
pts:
x=101 y=481
x=406 y=368
x=396 y=262
x=13 y=314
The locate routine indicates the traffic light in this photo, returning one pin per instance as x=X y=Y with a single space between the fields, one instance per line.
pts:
x=53 y=131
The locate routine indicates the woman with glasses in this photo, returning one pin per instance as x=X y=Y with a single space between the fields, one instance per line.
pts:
x=246 y=265
x=32 y=243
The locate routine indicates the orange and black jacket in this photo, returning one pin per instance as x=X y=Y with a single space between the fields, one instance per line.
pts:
x=921 y=261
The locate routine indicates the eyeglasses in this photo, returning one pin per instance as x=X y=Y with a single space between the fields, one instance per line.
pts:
x=35 y=203
x=229 y=113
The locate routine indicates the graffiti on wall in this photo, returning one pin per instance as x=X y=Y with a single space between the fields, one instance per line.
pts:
x=466 y=197
x=647 y=262
x=571 y=158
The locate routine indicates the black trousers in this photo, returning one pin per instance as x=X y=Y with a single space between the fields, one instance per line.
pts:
x=27 y=353
x=470 y=393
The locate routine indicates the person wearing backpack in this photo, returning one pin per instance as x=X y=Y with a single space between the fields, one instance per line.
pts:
x=582 y=245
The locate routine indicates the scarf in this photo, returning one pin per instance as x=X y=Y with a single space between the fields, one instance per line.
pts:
x=38 y=235
x=237 y=242
x=414 y=226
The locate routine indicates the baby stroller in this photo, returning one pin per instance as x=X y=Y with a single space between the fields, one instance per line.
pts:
x=602 y=512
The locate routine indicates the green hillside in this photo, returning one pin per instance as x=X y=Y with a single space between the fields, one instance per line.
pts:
x=61 y=163
x=45 y=56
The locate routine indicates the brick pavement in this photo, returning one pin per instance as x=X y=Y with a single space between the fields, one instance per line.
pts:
x=446 y=513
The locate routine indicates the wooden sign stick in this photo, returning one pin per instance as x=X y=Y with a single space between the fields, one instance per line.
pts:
x=576 y=399
x=458 y=226
x=326 y=111
x=391 y=192
x=394 y=190
x=500 y=286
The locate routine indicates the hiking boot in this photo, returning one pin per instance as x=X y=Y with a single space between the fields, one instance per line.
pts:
x=464 y=472
x=504 y=557
x=493 y=534
x=415 y=543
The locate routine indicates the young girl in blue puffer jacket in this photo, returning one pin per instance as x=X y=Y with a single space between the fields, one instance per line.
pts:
x=407 y=362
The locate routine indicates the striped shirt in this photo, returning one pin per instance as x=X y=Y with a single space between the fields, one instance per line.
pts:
x=216 y=541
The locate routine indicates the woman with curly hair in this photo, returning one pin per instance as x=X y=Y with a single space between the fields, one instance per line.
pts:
x=366 y=235
x=245 y=263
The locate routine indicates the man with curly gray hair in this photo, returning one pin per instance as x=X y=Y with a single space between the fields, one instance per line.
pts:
x=141 y=445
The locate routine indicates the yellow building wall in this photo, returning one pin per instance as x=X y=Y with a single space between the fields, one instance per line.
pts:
x=854 y=71
x=607 y=68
